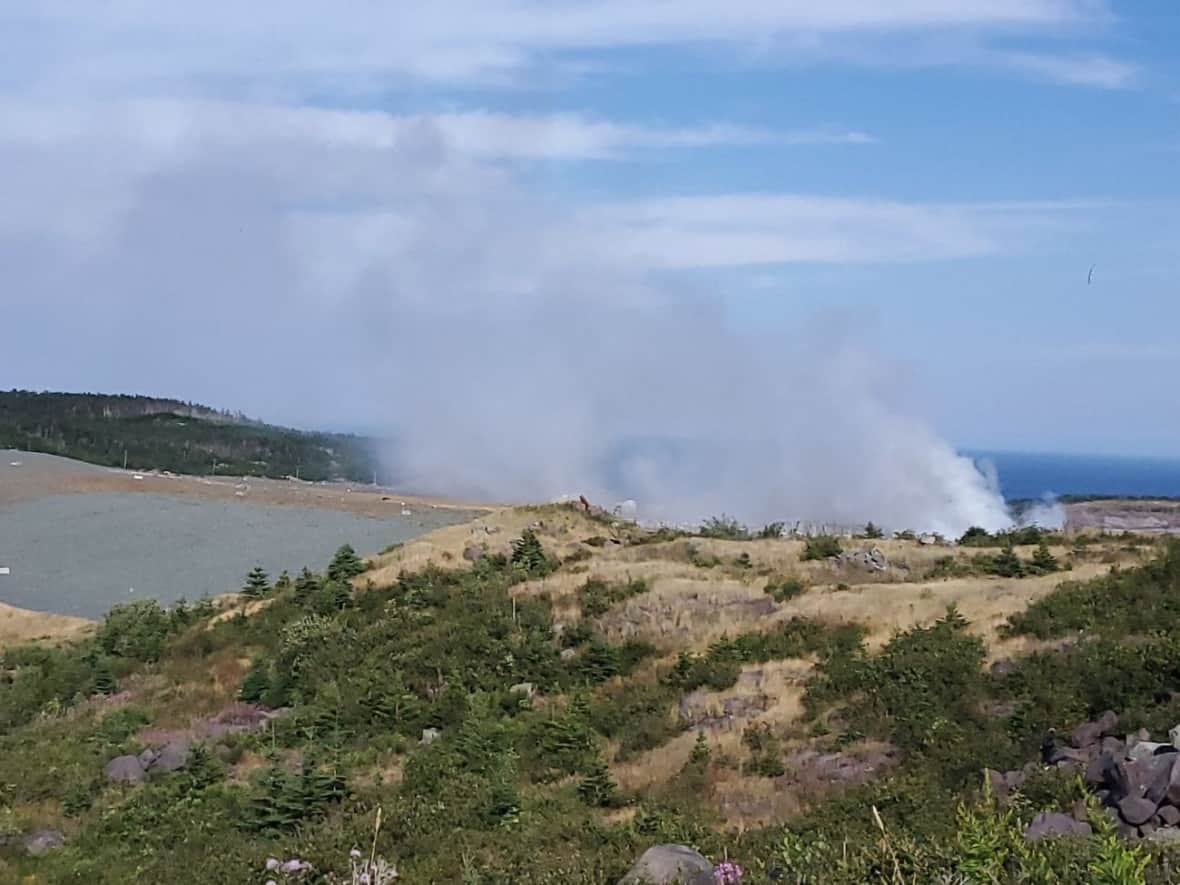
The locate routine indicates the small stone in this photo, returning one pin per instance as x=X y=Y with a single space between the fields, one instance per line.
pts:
x=429 y=736
x=1169 y=815
x=568 y=653
x=472 y=553
x=1147 y=828
x=525 y=688
x=43 y=841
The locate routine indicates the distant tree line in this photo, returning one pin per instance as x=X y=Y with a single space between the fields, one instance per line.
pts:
x=147 y=433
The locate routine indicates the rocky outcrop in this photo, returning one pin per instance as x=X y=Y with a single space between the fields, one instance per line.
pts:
x=869 y=558
x=670 y=865
x=1136 y=779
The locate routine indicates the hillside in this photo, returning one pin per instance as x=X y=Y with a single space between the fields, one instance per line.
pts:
x=145 y=433
x=540 y=695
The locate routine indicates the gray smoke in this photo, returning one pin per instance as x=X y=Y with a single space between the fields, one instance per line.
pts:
x=507 y=346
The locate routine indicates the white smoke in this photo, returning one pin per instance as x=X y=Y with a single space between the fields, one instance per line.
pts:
x=1048 y=513
x=510 y=348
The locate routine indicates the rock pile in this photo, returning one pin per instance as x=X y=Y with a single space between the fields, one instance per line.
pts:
x=1136 y=779
x=869 y=558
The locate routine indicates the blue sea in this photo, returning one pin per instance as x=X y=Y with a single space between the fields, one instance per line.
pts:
x=1028 y=475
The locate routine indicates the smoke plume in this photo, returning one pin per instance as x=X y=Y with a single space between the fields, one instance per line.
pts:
x=513 y=350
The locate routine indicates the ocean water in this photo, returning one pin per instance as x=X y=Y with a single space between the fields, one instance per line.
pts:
x=1034 y=475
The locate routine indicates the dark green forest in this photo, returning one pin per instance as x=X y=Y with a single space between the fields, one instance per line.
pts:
x=148 y=433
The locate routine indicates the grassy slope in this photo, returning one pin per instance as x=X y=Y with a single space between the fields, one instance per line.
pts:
x=481 y=803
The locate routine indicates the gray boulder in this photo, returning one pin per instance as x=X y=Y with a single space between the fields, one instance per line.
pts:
x=1146 y=749
x=1137 y=810
x=171 y=757
x=670 y=865
x=523 y=688
x=43 y=841
x=125 y=770
x=1051 y=824
x=1168 y=815
x=1174 y=736
x=429 y=736
x=1089 y=733
x=473 y=553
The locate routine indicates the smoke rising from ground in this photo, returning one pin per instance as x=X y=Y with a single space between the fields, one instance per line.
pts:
x=515 y=351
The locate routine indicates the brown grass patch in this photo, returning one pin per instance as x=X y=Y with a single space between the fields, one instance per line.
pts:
x=21 y=625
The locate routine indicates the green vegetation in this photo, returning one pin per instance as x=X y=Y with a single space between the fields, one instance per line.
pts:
x=596 y=597
x=409 y=698
x=724 y=527
x=821 y=547
x=143 y=433
x=786 y=589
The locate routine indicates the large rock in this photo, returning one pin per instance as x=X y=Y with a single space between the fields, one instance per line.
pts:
x=670 y=865
x=1051 y=824
x=429 y=736
x=41 y=842
x=871 y=558
x=1147 y=749
x=1168 y=815
x=1089 y=733
x=125 y=770
x=473 y=553
x=1136 y=810
x=171 y=757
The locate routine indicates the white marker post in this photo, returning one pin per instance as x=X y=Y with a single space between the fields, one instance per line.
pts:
x=4 y=570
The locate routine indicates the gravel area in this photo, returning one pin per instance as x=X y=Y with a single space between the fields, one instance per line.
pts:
x=78 y=554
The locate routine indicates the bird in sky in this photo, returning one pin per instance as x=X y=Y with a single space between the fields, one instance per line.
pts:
x=1090 y=275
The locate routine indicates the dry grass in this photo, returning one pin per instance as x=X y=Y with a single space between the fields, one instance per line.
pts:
x=21 y=625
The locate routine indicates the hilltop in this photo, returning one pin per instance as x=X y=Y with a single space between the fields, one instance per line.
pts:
x=539 y=695
x=148 y=433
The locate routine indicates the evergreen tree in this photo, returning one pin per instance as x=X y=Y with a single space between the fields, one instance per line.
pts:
x=598 y=789
x=306 y=586
x=104 y=679
x=345 y=565
x=283 y=582
x=699 y=758
x=872 y=531
x=1007 y=564
x=257 y=583
x=1044 y=562
x=256 y=683
x=529 y=556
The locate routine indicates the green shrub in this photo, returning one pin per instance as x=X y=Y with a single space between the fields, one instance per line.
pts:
x=821 y=547
x=596 y=597
x=786 y=589
x=135 y=630
x=725 y=528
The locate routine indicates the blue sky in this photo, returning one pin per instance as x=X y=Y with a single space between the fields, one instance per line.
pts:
x=930 y=178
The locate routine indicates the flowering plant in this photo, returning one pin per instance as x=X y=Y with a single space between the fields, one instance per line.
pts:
x=727 y=873
x=286 y=871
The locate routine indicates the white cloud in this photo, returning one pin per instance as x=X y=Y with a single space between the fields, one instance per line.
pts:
x=1078 y=70
x=163 y=127
x=750 y=229
x=144 y=47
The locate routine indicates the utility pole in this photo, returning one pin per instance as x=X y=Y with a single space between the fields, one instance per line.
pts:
x=124 y=459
